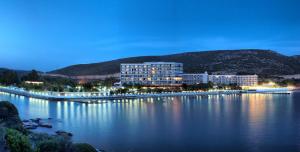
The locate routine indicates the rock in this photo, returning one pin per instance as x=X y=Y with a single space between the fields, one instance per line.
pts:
x=9 y=117
x=45 y=125
x=7 y=110
x=30 y=125
x=37 y=120
x=63 y=133
x=25 y=121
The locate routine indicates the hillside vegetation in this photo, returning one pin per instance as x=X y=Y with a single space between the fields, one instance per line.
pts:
x=262 y=62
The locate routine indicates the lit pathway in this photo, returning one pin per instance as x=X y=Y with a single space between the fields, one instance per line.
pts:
x=55 y=96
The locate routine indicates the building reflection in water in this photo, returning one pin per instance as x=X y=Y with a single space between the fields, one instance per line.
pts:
x=239 y=119
x=261 y=112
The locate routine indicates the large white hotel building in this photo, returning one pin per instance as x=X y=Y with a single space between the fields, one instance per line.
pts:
x=171 y=74
x=152 y=73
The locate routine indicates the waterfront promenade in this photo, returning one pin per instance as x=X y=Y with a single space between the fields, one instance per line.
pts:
x=87 y=96
x=80 y=96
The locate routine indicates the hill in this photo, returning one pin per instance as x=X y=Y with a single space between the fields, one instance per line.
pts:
x=19 y=72
x=297 y=57
x=222 y=61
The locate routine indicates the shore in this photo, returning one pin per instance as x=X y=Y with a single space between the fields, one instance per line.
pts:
x=80 y=98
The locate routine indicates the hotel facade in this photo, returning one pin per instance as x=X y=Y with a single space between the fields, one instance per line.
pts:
x=151 y=73
x=194 y=78
x=240 y=80
x=171 y=74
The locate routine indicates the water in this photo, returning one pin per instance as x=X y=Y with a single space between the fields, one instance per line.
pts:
x=248 y=122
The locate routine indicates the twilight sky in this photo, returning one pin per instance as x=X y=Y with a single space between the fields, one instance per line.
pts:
x=49 y=34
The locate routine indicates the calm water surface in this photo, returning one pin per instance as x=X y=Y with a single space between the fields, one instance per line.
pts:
x=248 y=122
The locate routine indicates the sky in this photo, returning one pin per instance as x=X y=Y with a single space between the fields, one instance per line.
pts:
x=50 y=34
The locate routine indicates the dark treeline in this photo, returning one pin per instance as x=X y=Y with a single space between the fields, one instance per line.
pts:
x=11 y=78
x=32 y=76
x=294 y=82
x=58 y=84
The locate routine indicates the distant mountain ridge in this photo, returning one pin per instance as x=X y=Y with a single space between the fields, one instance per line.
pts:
x=262 y=62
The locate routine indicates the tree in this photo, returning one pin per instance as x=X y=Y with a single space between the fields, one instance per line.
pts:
x=200 y=86
x=235 y=87
x=32 y=76
x=9 y=77
x=87 y=86
x=184 y=86
x=210 y=84
x=108 y=82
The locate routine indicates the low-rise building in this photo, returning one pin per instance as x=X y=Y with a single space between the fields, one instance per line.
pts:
x=246 y=80
x=34 y=82
x=194 y=78
x=222 y=79
x=240 y=80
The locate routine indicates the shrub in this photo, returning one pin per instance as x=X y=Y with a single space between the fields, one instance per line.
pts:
x=17 y=142
x=46 y=143
x=82 y=147
x=48 y=146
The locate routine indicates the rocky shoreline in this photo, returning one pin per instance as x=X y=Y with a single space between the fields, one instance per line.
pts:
x=16 y=135
x=35 y=123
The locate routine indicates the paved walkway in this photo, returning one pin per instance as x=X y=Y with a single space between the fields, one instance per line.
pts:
x=48 y=96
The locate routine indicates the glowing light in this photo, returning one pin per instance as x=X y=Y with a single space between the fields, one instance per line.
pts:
x=34 y=82
x=268 y=86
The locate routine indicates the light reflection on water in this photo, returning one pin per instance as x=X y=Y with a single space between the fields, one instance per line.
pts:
x=248 y=122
